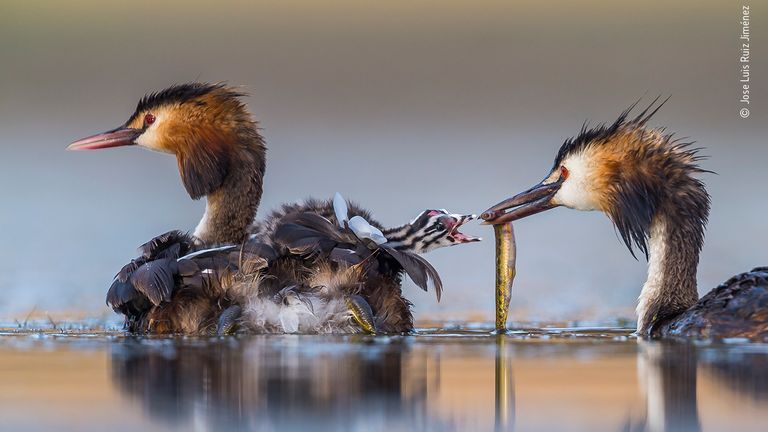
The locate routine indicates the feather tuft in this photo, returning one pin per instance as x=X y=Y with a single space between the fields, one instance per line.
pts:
x=418 y=269
x=340 y=209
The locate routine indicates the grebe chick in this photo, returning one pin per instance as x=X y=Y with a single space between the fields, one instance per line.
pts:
x=309 y=274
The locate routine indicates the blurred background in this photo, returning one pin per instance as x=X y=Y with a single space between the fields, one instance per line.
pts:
x=400 y=106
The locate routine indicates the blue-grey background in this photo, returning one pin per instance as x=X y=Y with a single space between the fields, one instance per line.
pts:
x=399 y=105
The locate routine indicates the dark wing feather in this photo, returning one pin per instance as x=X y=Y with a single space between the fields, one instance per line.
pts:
x=203 y=275
x=343 y=255
x=289 y=233
x=434 y=276
x=260 y=249
x=308 y=225
x=322 y=226
x=187 y=267
x=736 y=308
x=253 y=256
x=125 y=273
x=150 y=278
x=208 y=253
x=155 y=279
x=250 y=263
x=162 y=246
x=216 y=262
x=195 y=282
x=418 y=269
x=309 y=233
x=299 y=239
x=120 y=293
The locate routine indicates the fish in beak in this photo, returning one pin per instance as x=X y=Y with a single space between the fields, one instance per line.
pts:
x=534 y=200
x=122 y=136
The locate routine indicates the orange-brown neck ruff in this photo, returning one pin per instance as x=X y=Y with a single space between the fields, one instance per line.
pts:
x=232 y=205
x=661 y=209
x=204 y=158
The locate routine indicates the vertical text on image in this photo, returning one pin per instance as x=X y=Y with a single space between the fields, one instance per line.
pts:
x=744 y=59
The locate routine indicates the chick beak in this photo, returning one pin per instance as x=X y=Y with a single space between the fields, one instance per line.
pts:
x=121 y=136
x=453 y=222
x=534 y=200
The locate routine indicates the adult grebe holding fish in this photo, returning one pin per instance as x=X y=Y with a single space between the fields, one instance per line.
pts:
x=644 y=180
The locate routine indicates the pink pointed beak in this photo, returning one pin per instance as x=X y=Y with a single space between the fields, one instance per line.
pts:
x=121 y=136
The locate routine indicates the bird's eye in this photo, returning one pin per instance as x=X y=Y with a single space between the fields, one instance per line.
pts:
x=439 y=226
x=564 y=172
x=149 y=118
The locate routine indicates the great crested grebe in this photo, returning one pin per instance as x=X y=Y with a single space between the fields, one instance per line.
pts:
x=179 y=286
x=643 y=179
x=220 y=153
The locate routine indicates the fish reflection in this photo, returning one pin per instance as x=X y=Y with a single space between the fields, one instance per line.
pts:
x=504 y=388
x=668 y=374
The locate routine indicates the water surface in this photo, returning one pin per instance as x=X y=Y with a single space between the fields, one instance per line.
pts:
x=454 y=378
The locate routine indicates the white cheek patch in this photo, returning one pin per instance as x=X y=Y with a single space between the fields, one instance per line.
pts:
x=149 y=138
x=577 y=191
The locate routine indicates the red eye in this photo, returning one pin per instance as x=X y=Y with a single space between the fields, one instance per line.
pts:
x=563 y=172
x=149 y=119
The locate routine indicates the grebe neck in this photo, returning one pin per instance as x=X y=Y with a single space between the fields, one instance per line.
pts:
x=231 y=209
x=673 y=257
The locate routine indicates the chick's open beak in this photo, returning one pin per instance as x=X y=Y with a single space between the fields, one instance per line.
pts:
x=453 y=222
x=121 y=136
x=534 y=200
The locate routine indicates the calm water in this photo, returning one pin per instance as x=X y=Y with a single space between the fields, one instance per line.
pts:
x=449 y=379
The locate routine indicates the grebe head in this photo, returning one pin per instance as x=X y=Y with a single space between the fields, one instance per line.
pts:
x=205 y=125
x=626 y=170
x=430 y=230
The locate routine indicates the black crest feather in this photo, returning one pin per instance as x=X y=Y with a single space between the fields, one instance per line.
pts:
x=181 y=93
x=602 y=132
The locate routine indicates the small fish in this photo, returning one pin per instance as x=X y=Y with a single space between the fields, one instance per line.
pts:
x=361 y=313
x=228 y=320
x=506 y=254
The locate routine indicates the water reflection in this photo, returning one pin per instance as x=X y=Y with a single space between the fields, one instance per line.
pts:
x=280 y=385
x=742 y=371
x=669 y=373
x=440 y=383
